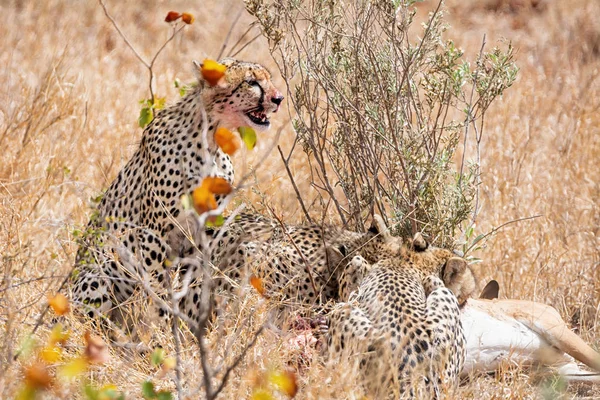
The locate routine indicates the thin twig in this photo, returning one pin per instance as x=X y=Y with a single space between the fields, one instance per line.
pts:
x=468 y=118
x=233 y=24
x=246 y=45
x=112 y=20
x=293 y=181
x=46 y=308
x=497 y=228
x=237 y=361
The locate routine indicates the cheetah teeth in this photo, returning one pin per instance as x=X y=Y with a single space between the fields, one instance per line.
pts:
x=258 y=117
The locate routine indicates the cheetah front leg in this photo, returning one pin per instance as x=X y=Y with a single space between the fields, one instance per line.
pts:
x=447 y=336
x=352 y=337
x=349 y=330
x=352 y=275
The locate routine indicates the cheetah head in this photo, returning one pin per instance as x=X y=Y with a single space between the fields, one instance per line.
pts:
x=245 y=96
x=459 y=278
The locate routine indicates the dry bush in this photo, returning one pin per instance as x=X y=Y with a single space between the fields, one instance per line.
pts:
x=538 y=156
x=376 y=107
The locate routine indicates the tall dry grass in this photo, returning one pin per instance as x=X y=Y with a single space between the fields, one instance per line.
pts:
x=69 y=93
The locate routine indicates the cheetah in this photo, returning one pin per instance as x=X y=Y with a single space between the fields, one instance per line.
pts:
x=400 y=323
x=298 y=264
x=128 y=237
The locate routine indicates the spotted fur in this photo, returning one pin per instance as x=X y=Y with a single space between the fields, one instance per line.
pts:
x=400 y=324
x=127 y=240
x=298 y=264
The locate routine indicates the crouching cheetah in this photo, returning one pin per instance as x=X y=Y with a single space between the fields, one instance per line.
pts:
x=400 y=323
x=299 y=264
x=127 y=240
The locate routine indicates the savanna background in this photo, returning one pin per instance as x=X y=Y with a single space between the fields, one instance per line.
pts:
x=70 y=91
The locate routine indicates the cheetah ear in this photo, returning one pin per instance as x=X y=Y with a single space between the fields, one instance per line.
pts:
x=379 y=227
x=198 y=70
x=490 y=291
x=452 y=270
x=335 y=255
x=419 y=243
x=459 y=278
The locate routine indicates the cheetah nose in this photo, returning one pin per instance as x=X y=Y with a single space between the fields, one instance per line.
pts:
x=277 y=99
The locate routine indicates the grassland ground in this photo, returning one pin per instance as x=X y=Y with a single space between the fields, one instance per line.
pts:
x=70 y=92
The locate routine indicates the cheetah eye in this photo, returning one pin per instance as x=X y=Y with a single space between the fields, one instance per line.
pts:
x=253 y=82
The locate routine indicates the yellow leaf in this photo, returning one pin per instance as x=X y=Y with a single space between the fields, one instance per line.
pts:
x=187 y=18
x=59 y=303
x=169 y=363
x=186 y=202
x=51 y=354
x=212 y=71
x=226 y=141
x=26 y=393
x=73 y=368
x=58 y=335
x=257 y=284
x=38 y=377
x=285 y=381
x=261 y=394
x=248 y=135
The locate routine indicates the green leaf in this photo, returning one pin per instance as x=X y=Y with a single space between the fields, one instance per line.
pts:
x=145 y=117
x=248 y=136
x=90 y=392
x=110 y=393
x=148 y=390
x=477 y=239
x=469 y=232
x=27 y=346
x=219 y=220
x=164 y=395
x=157 y=357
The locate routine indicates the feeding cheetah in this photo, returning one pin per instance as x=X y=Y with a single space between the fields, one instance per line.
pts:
x=128 y=237
x=299 y=264
x=400 y=323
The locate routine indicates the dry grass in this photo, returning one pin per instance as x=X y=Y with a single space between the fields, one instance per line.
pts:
x=69 y=102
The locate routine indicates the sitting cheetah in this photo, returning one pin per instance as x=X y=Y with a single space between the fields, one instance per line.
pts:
x=128 y=237
x=400 y=323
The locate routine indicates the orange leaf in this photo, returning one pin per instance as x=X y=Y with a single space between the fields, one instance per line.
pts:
x=172 y=16
x=203 y=199
x=226 y=141
x=187 y=18
x=59 y=304
x=257 y=284
x=96 y=351
x=217 y=185
x=37 y=376
x=212 y=71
